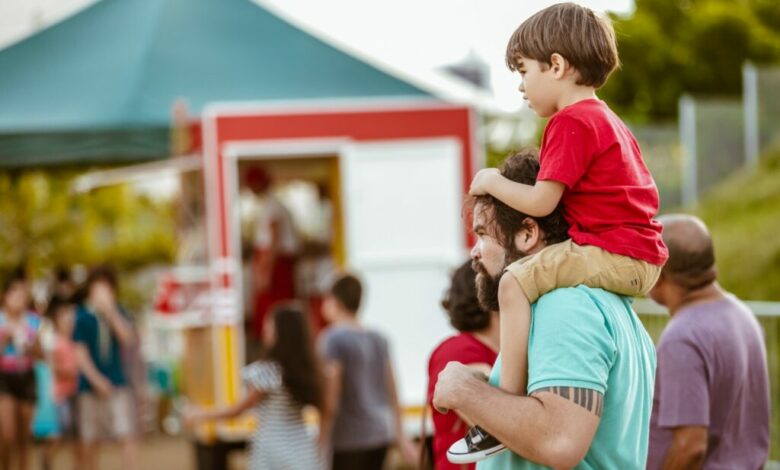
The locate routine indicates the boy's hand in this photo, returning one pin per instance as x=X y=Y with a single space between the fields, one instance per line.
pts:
x=482 y=181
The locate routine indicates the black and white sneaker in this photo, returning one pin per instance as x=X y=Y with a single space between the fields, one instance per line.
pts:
x=477 y=445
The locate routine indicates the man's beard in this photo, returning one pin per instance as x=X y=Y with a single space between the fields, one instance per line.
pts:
x=487 y=285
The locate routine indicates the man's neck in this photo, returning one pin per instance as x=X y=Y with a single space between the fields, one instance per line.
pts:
x=346 y=319
x=709 y=293
x=575 y=95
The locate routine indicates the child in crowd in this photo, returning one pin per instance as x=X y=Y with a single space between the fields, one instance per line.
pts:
x=592 y=165
x=279 y=386
x=65 y=370
x=362 y=416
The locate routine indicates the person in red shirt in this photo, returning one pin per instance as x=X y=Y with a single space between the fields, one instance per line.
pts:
x=591 y=165
x=475 y=345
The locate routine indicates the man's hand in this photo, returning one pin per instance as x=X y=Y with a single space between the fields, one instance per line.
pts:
x=453 y=384
x=103 y=299
x=103 y=387
x=482 y=181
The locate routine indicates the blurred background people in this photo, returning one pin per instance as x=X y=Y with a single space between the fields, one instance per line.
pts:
x=362 y=416
x=476 y=345
x=275 y=252
x=105 y=402
x=279 y=385
x=65 y=373
x=19 y=348
x=711 y=404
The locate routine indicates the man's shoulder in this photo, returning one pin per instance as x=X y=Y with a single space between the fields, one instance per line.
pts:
x=581 y=296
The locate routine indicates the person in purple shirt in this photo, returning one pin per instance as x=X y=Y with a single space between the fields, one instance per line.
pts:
x=711 y=404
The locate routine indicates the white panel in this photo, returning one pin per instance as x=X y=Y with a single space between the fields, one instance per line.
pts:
x=404 y=235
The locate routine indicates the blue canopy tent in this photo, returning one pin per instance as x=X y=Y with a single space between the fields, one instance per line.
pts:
x=99 y=86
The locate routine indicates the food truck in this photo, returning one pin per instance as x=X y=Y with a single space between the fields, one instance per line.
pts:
x=396 y=173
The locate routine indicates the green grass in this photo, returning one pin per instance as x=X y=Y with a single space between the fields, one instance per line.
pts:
x=743 y=214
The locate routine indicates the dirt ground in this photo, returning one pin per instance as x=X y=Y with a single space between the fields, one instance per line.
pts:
x=163 y=453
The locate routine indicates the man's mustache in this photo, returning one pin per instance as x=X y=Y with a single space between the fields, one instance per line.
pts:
x=478 y=267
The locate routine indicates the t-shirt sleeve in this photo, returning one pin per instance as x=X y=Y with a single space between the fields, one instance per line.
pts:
x=80 y=329
x=330 y=348
x=567 y=150
x=683 y=392
x=262 y=376
x=569 y=343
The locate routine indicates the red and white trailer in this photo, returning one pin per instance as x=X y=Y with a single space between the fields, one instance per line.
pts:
x=398 y=171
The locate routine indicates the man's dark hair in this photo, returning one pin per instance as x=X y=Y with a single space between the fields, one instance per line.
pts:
x=583 y=38
x=521 y=167
x=461 y=301
x=348 y=290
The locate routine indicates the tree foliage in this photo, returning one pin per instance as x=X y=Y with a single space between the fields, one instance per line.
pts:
x=43 y=224
x=671 y=47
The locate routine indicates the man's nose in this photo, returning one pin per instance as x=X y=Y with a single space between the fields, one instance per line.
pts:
x=521 y=87
x=475 y=251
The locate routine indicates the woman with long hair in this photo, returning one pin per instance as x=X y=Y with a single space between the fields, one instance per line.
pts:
x=279 y=385
x=19 y=349
x=475 y=344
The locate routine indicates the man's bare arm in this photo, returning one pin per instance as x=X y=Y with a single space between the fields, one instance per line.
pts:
x=552 y=427
x=688 y=448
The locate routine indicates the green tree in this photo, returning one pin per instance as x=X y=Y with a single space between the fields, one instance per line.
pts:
x=671 y=47
x=43 y=224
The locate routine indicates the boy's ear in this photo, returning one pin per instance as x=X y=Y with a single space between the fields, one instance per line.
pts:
x=559 y=65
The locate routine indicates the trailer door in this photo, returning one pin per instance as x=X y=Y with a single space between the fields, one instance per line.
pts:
x=404 y=235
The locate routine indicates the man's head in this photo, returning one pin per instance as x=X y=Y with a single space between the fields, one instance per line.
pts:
x=505 y=235
x=559 y=48
x=343 y=297
x=258 y=180
x=691 y=264
x=101 y=281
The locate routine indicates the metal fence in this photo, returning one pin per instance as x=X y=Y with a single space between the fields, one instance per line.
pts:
x=663 y=154
x=655 y=319
x=760 y=87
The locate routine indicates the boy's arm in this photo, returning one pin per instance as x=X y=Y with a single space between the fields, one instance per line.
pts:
x=538 y=200
x=98 y=381
x=408 y=450
x=333 y=377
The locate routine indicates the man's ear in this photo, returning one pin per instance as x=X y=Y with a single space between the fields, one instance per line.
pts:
x=528 y=237
x=559 y=66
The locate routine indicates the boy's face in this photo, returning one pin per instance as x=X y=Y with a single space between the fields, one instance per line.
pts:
x=539 y=86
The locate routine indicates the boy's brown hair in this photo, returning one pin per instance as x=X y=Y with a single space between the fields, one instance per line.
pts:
x=583 y=38
x=348 y=290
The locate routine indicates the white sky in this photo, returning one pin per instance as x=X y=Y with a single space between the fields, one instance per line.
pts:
x=411 y=34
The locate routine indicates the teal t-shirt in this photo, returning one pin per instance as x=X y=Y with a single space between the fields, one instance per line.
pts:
x=591 y=338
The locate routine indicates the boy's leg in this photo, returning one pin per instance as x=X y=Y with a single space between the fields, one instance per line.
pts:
x=515 y=320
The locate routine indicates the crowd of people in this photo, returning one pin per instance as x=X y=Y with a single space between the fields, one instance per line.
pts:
x=67 y=376
x=550 y=367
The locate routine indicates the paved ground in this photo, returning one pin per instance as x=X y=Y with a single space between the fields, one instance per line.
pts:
x=163 y=453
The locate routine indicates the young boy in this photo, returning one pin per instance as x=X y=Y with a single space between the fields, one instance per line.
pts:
x=592 y=165
x=362 y=416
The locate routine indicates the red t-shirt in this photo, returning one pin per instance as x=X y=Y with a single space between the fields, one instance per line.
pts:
x=610 y=197
x=448 y=428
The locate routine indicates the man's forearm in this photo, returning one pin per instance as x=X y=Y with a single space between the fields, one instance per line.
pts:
x=528 y=426
x=121 y=327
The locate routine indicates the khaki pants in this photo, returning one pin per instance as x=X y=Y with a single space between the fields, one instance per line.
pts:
x=567 y=264
x=101 y=418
